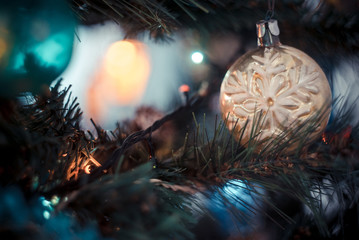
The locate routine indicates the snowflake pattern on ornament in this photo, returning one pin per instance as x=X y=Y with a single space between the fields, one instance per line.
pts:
x=283 y=94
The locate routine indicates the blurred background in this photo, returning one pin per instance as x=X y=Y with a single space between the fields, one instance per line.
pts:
x=112 y=77
x=146 y=72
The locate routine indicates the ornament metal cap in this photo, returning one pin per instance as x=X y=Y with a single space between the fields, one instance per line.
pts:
x=268 y=33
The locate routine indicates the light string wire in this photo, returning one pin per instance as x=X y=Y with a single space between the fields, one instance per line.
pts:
x=270 y=12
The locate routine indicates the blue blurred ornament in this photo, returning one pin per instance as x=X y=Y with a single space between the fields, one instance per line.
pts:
x=235 y=205
x=36 y=38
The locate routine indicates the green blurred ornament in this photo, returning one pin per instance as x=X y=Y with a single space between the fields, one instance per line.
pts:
x=36 y=39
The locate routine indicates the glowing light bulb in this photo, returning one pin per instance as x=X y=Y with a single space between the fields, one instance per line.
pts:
x=122 y=78
x=120 y=58
x=46 y=214
x=197 y=57
x=55 y=200
x=184 y=88
x=88 y=169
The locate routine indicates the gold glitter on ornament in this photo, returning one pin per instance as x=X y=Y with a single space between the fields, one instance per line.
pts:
x=282 y=82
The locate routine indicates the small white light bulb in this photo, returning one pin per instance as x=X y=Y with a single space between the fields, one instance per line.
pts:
x=46 y=215
x=197 y=57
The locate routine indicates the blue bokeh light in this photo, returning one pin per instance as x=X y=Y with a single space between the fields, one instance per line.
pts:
x=234 y=205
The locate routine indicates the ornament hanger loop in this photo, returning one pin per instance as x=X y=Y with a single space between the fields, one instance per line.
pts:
x=267 y=29
x=270 y=12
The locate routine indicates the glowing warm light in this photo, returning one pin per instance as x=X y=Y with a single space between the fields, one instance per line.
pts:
x=197 y=57
x=184 y=88
x=88 y=169
x=126 y=71
x=3 y=47
x=120 y=58
x=324 y=138
x=86 y=166
x=122 y=78
x=344 y=135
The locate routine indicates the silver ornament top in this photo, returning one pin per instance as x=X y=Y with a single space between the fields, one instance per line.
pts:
x=268 y=33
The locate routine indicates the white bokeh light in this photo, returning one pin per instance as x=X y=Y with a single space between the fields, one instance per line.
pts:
x=197 y=57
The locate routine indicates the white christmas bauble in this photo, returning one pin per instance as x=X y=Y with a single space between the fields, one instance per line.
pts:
x=283 y=83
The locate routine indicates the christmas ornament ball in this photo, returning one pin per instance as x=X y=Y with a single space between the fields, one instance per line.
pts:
x=36 y=39
x=283 y=83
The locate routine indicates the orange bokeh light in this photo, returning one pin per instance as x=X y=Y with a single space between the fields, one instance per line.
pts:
x=184 y=88
x=3 y=47
x=120 y=59
x=122 y=79
x=125 y=72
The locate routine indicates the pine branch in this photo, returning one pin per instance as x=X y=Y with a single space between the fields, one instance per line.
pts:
x=48 y=128
x=329 y=26
x=217 y=161
x=210 y=162
x=129 y=141
x=49 y=134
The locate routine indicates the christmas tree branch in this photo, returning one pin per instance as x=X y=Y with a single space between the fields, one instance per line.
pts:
x=129 y=141
x=203 y=164
x=335 y=20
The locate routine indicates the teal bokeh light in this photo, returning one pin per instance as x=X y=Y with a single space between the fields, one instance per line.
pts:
x=37 y=39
